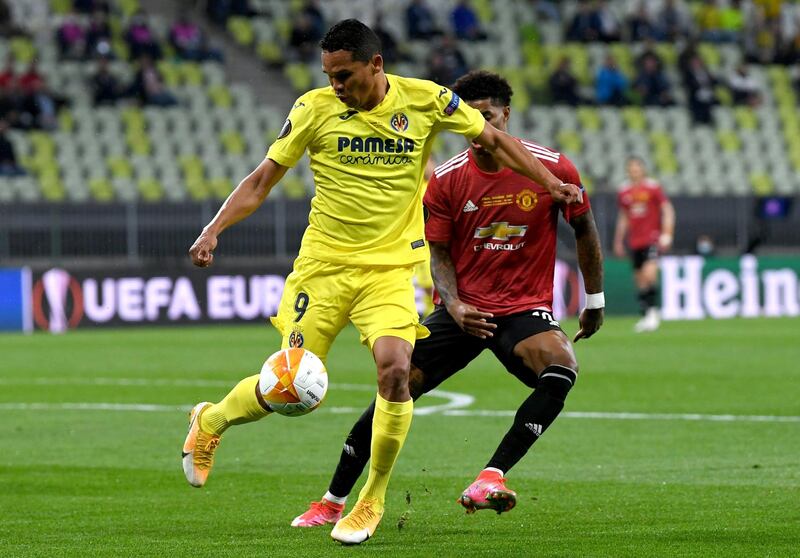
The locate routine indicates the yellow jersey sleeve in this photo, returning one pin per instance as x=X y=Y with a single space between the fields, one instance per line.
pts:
x=454 y=115
x=297 y=133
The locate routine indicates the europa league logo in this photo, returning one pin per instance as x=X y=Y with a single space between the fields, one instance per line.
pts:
x=56 y=287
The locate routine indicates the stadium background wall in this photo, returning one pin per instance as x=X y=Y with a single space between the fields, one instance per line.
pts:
x=141 y=233
x=63 y=298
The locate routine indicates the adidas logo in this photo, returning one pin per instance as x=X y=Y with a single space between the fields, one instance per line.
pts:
x=535 y=428
x=470 y=207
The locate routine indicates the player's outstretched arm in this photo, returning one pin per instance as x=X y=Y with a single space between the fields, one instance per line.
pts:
x=246 y=198
x=512 y=154
x=468 y=318
x=590 y=261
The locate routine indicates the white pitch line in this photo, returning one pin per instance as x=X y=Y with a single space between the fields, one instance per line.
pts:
x=149 y=408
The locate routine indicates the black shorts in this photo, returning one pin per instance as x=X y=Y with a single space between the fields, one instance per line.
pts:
x=449 y=349
x=638 y=257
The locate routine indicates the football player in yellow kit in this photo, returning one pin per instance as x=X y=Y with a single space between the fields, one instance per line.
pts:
x=368 y=137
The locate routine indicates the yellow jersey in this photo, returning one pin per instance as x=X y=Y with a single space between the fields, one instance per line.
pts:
x=368 y=168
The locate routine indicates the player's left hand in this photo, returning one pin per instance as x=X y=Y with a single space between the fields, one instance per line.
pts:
x=567 y=193
x=590 y=322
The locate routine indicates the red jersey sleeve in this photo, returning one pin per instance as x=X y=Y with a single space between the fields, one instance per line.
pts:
x=438 y=219
x=567 y=172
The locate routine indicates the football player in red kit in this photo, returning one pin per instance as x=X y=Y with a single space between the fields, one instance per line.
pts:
x=492 y=235
x=647 y=218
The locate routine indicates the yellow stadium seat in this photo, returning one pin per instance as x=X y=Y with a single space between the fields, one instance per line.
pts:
x=762 y=184
x=242 y=30
x=120 y=167
x=101 y=190
x=729 y=140
x=150 y=190
x=233 y=142
x=221 y=96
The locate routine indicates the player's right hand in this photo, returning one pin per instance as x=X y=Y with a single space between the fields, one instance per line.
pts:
x=472 y=320
x=590 y=321
x=567 y=193
x=202 y=251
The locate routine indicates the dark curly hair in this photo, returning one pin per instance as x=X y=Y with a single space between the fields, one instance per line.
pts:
x=480 y=84
x=353 y=36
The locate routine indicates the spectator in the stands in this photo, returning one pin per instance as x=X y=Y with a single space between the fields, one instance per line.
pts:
x=98 y=36
x=465 y=22
x=564 y=85
x=391 y=51
x=8 y=158
x=91 y=6
x=584 y=25
x=220 y=10
x=8 y=75
x=611 y=85
x=446 y=63
x=303 y=39
x=106 y=88
x=610 y=28
x=148 y=85
x=70 y=38
x=189 y=41
x=420 y=23
x=641 y=26
x=732 y=21
x=38 y=106
x=314 y=12
x=651 y=84
x=700 y=84
x=744 y=86
x=545 y=9
x=8 y=106
x=140 y=38
x=674 y=21
x=648 y=51
x=761 y=37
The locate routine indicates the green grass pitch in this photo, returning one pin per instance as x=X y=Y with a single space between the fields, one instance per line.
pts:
x=91 y=425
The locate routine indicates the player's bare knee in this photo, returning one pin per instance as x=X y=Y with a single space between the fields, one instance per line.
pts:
x=393 y=379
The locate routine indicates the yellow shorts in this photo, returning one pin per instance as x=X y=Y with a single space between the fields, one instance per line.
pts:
x=319 y=298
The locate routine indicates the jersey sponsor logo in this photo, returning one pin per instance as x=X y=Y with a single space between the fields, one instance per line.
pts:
x=286 y=130
x=442 y=91
x=399 y=122
x=298 y=105
x=469 y=207
x=417 y=244
x=527 y=200
x=452 y=105
x=348 y=115
x=495 y=201
x=501 y=231
x=374 y=147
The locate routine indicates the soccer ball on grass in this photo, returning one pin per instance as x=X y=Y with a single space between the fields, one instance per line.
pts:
x=293 y=382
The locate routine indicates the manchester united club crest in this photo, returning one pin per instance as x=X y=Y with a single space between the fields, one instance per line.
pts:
x=527 y=200
x=296 y=339
x=399 y=122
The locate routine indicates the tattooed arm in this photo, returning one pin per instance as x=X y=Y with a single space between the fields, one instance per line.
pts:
x=590 y=261
x=468 y=318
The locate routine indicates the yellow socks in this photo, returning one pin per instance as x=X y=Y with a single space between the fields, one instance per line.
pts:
x=390 y=425
x=239 y=406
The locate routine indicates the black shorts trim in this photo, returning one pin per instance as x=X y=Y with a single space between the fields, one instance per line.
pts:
x=642 y=255
x=449 y=349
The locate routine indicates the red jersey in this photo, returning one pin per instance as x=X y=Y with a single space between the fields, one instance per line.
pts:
x=642 y=204
x=501 y=228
